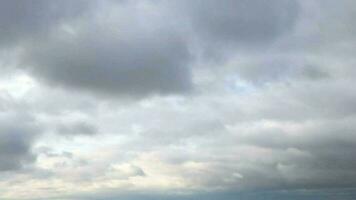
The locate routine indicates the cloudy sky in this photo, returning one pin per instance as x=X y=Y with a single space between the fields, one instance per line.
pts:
x=177 y=100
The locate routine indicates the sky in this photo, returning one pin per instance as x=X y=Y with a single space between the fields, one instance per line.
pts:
x=177 y=100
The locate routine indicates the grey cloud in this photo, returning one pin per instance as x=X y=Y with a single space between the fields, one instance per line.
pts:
x=129 y=60
x=293 y=127
x=137 y=59
x=16 y=142
x=21 y=20
x=76 y=128
x=15 y=150
x=270 y=150
x=260 y=71
x=114 y=65
x=337 y=19
x=318 y=155
x=126 y=57
x=18 y=133
x=241 y=22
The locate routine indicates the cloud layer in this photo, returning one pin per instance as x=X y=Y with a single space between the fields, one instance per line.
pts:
x=177 y=100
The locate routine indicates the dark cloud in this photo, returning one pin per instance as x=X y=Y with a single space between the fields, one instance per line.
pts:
x=115 y=55
x=135 y=59
x=136 y=65
x=15 y=149
x=140 y=56
x=16 y=141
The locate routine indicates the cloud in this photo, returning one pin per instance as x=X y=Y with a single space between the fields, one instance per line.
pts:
x=15 y=149
x=280 y=68
x=113 y=64
x=272 y=118
x=16 y=139
x=76 y=128
x=134 y=53
x=22 y=20
x=110 y=53
x=240 y=23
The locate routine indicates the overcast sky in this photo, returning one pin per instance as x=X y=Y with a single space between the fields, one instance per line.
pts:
x=177 y=100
